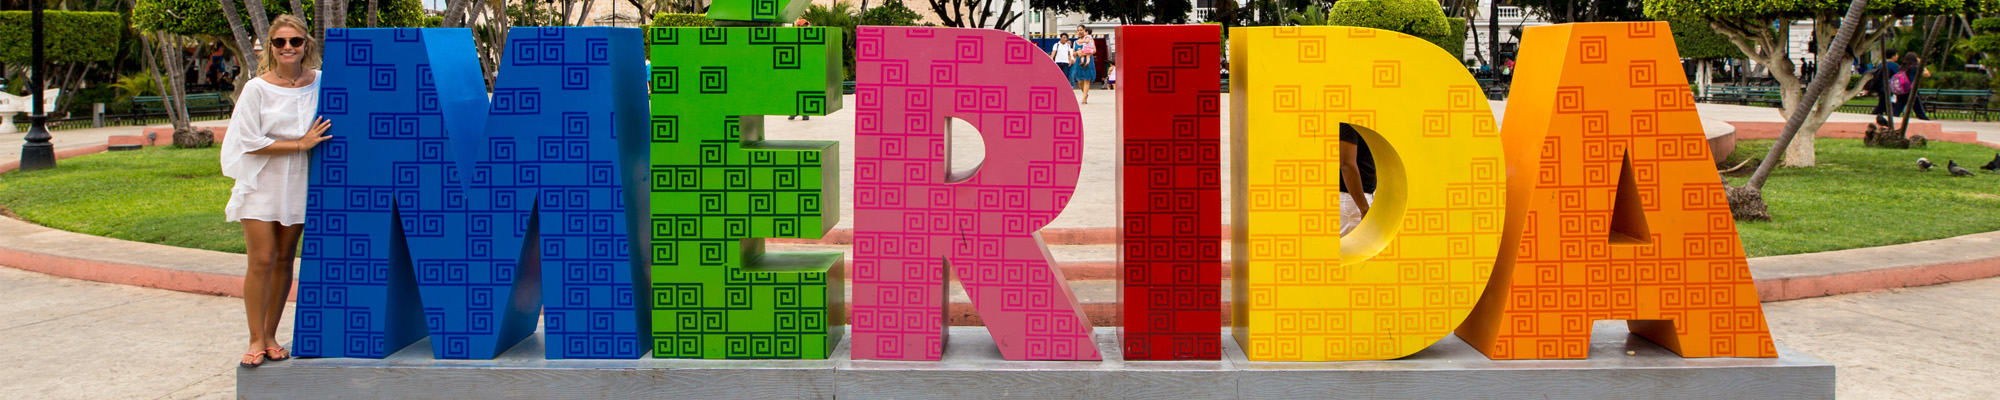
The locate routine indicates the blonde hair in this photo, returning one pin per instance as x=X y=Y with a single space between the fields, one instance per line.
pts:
x=268 y=61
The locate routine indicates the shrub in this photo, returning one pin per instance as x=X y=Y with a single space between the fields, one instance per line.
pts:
x=68 y=36
x=662 y=20
x=1454 y=42
x=1420 y=18
x=1956 y=80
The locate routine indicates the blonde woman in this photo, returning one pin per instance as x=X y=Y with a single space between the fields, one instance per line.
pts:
x=267 y=151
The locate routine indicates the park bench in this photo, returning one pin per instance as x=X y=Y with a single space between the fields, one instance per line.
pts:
x=1970 y=102
x=216 y=101
x=1745 y=95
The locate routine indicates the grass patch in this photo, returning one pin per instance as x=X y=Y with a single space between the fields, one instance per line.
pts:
x=157 y=195
x=1857 y=197
x=1865 y=197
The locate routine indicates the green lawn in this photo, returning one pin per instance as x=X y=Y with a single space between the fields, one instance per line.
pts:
x=1857 y=197
x=159 y=195
x=1865 y=197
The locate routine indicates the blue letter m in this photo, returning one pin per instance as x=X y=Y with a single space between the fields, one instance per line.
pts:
x=436 y=211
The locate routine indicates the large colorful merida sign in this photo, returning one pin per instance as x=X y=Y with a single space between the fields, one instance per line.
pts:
x=632 y=224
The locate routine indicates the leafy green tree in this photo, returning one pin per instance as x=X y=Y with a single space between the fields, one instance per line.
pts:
x=171 y=24
x=1985 y=44
x=1421 y=18
x=1751 y=26
x=1697 y=41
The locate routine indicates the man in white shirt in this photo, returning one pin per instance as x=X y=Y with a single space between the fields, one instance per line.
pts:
x=1063 y=55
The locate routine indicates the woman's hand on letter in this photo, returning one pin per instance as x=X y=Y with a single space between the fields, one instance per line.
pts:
x=315 y=135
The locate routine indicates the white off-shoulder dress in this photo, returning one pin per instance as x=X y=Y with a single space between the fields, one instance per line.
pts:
x=269 y=188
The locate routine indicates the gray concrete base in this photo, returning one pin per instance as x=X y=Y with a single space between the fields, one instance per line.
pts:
x=1621 y=365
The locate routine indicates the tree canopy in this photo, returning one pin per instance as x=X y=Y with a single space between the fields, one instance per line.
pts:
x=1698 y=41
x=68 y=36
x=1684 y=9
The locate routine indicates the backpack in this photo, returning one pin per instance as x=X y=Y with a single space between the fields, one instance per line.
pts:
x=1900 y=84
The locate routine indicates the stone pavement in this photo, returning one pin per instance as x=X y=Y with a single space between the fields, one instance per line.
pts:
x=1933 y=342
x=68 y=338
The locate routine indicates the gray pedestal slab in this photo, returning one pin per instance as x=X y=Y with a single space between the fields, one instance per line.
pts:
x=972 y=368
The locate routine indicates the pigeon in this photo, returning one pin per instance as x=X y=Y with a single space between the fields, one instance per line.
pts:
x=1924 y=164
x=1993 y=165
x=1952 y=165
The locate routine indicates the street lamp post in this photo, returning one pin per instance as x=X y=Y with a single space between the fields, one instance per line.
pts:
x=37 y=153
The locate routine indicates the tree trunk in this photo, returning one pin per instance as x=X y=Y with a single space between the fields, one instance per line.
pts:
x=1471 y=28
x=583 y=17
x=299 y=10
x=176 y=87
x=258 y=20
x=245 y=73
x=374 y=15
x=243 y=40
x=454 y=14
x=1701 y=77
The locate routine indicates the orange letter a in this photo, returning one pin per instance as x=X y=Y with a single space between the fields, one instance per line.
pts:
x=1615 y=209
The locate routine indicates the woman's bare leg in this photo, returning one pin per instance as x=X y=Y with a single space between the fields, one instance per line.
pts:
x=286 y=248
x=1085 y=87
x=259 y=238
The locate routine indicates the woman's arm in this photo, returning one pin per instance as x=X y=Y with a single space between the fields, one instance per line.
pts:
x=312 y=139
x=1350 y=175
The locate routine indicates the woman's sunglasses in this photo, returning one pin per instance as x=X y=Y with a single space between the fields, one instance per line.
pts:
x=293 y=41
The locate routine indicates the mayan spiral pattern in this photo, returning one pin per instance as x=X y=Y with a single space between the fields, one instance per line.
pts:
x=1624 y=217
x=1416 y=265
x=423 y=212
x=564 y=141
x=716 y=182
x=1170 y=192
x=912 y=221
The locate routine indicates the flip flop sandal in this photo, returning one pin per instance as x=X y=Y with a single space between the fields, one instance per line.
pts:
x=268 y=351
x=259 y=356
